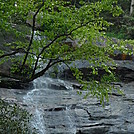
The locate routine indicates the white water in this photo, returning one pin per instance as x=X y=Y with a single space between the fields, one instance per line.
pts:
x=37 y=121
x=40 y=98
x=72 y=126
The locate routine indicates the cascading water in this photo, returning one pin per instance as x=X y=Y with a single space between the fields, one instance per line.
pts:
x=72 y=126
x=37 y=121
x=48 y=105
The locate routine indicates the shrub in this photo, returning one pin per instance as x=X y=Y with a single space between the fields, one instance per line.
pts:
x=13 y=119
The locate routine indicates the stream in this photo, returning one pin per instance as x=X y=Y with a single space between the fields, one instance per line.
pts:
x=58 y=109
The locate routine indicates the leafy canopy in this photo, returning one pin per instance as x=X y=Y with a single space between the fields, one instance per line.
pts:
x=52 y=23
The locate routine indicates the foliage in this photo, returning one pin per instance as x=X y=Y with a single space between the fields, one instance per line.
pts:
x=53 y=23
x=123 y=28
x=125 y=5
x=123 y=25
x=115 y=34
x=13 y=119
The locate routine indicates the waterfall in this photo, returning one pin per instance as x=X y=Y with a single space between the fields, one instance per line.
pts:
x=72 y=126
x=46 y=96
x=37 y=121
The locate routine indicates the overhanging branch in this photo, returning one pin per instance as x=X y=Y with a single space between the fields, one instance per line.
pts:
x=62 y=35
x=57 y=37
x=19 y=50
x=42 y=72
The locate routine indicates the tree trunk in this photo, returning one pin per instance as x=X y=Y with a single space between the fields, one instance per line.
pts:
x=131 y=7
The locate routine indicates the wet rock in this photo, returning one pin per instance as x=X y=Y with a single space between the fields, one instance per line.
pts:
x=125 y=64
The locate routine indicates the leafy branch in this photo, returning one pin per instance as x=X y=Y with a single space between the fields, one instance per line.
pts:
x=40 y=73
x=20 y=50
x=56 y=38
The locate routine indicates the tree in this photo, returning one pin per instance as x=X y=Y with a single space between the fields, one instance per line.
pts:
x=55 y=21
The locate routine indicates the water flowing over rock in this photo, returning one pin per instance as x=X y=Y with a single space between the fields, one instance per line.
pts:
x=65 y=112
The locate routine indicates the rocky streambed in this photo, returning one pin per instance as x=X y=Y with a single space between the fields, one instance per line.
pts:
x=58 y=109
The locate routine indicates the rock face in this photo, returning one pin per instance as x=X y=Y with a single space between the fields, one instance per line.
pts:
x=65 y=112
x=124 y=70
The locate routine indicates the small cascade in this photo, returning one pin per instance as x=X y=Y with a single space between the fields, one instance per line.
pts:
x=66 y=84
x=45 y=97
x=70 y=118
x=37 y=121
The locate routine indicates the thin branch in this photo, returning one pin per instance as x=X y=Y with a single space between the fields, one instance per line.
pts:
x=9 y=54
x=58 y=61
x=67 y=65
x=36 y=63
x=13 y=53
x=79 y=27
x=35 y=66
x=19 y=50
x=62 y=35
x=42 y=72
x=31 y=40
x=57 y=37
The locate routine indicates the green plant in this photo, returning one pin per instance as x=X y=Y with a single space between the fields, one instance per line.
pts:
x=13 y=119
x=123 y=25
x=118 y=35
